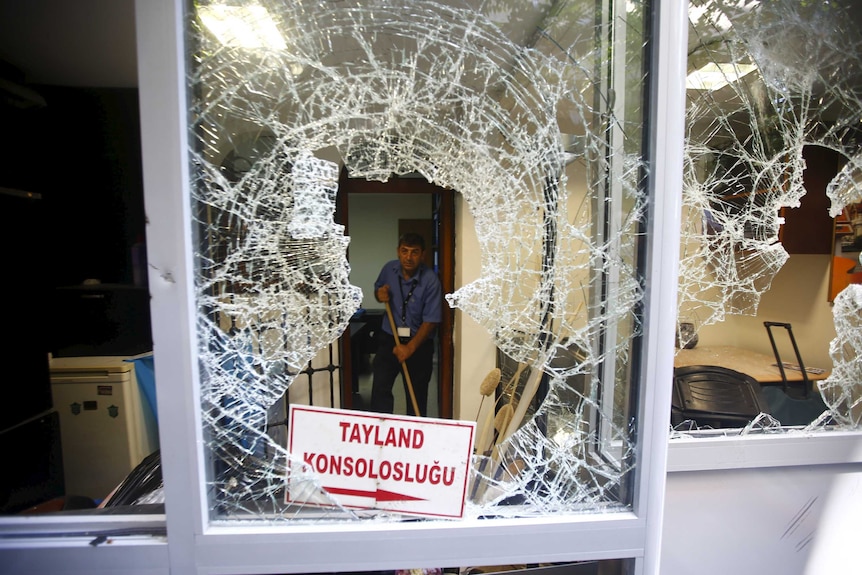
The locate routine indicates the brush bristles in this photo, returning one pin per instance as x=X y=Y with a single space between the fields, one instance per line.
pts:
x=491 y=381
x=504 y=416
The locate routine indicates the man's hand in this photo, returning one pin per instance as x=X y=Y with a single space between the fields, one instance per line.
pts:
x=382 y=294
x=403 y=351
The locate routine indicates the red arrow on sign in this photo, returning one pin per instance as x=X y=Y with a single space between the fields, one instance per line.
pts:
x=378 y=495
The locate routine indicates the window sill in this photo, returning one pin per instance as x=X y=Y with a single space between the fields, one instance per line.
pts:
x=786 y=449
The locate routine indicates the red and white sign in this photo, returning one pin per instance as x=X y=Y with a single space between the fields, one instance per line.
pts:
x=364 y=460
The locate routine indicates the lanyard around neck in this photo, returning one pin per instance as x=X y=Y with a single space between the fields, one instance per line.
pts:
x=405 y=299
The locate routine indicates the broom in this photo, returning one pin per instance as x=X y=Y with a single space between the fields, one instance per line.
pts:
x=403 y=364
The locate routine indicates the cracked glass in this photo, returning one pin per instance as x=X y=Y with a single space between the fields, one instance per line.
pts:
x=767 y=80
x=533 y=113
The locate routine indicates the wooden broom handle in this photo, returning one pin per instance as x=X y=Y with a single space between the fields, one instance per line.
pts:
x=403 y=363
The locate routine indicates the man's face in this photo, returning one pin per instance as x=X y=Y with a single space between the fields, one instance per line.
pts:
x=410 y=257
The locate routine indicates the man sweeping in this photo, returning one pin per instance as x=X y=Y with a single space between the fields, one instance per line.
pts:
x=405 y=343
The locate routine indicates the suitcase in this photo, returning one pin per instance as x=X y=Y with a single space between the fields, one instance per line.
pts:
x=789 y=403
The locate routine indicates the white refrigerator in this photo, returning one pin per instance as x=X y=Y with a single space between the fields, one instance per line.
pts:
x=106 y=425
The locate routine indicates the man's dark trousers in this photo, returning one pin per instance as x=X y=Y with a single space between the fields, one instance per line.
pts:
x=386 y=368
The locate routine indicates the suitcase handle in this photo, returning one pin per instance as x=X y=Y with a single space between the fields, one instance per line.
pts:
x=805 y=382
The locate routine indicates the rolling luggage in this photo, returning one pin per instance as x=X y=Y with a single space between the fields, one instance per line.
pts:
x=791 y=403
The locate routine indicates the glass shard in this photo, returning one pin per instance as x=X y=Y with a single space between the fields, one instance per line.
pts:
x=514 y=105
x=783 y=75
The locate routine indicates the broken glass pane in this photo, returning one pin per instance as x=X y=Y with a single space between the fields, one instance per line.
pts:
x=765 y=80
x=842 y=390
x=531 y=111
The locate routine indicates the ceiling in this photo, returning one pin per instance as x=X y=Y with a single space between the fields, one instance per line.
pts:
x=90 y=43
x=84 y=43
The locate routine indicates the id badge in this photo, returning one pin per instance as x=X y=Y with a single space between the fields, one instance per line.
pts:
x=403 y=332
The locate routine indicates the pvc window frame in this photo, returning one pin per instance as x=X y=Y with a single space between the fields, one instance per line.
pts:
x=192 y=545
x=241 y=548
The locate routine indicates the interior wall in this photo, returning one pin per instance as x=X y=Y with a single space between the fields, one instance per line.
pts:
x=374 y=235
x=475 y=351
x=799 y=296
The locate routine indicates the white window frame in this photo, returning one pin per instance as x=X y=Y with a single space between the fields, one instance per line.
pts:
x=240 y=548
x=192 y=545
x=792 y=449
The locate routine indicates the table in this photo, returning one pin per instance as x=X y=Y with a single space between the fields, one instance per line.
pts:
x=758 y=365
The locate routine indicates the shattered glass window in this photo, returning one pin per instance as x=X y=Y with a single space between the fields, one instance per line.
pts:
x=767 y=79
x=533 y=113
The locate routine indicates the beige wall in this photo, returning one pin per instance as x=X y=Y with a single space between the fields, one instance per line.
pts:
x=798 y=296
x=475 y=352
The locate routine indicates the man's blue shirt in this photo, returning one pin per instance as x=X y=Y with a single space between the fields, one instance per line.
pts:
x=422 y=294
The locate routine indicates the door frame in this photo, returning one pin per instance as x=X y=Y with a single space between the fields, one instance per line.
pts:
x=446 y=273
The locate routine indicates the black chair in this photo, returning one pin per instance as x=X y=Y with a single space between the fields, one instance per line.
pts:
x=716 y=397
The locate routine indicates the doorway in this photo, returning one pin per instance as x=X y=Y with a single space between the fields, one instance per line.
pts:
x=439 y=221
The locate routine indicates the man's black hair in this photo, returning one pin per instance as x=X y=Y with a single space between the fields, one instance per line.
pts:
x=412 y=239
